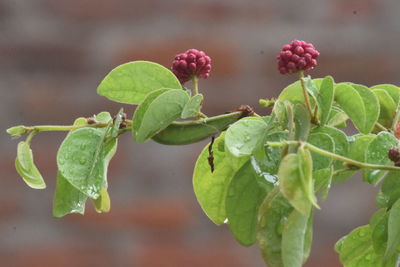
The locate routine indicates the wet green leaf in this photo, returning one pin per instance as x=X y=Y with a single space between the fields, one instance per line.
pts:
x=273 y=214
x=390 y=191
x=243 y=200
x=211 y=188
x=157 y=111
x=80 y=160
x=295 y=177
x=379 y=228
x=393 y=230
x=387 y=107
x=192 y=107
x=245 y=135
x=377 y=153
x=356 y=250
x=131 y=82
x=67 y=199
x=26 y=168
x=293 y=236
x=359 y=146
x=322 y=181
x=325 y=142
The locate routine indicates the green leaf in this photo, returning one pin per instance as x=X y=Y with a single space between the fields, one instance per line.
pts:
x=387 y=107
x=131 y=82
x=294 y=92
x=269 y=163
x=192 y=107
x=323 y=141
x=245 y=135
x=243 y=200
x=102 y=203
x=17 y=131
x=80 y=160
x=371 y=105
x=211 y=188
x=323 y=180
x=377 y=153
x=26 y=167
x=359 y=146
x=117 y=123
x=390 y=191
x=295 y=177
x=327 y=95
x=157 y=111
x=352 y=103
x=302 y=122
x=274 y=212
x=393 y=230
x=379 y=228
x=356 y=250
x=392 y=90
x=308 y=237
x=337 y=118
x=67 y=199
x=293 y=239
x=340 y=140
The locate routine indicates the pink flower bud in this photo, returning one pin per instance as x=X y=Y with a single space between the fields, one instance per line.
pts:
x=297 y=56
x=191 y=63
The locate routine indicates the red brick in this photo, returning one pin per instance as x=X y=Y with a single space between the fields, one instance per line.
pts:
x=43 y=57
x=74 y=255
x=169 y=254
x=225 y=57
x=168 y=214
x=100 y=10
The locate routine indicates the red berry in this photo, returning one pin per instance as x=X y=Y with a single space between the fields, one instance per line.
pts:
x=297 y=56
x=191 y=63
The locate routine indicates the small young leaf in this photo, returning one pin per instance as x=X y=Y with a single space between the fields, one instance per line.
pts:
x=192 y=107
x=26 y=167
x=393 y=230
x=293 y=239
x=102 y=203
x=327 y=95
x=352 y=103
x=67 y=199
x=210 y=187
x=17 y=131
x=245 y=135
x=294 y=92
x=131 y=82
x=377 y=153
x=337 y=118
x=243 y=200
x=387 y=107
x=323 y=180
x=157 y=111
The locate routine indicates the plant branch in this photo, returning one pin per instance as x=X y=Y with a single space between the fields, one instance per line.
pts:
x=305 y=93
x=333 y=155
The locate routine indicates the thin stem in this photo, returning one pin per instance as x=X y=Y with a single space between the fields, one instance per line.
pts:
x=380 y=126
x=195 y=81
x=334 y=156
x=55 y=128
x=305 y=93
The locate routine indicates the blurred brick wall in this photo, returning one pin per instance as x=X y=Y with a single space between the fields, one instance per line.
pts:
x=53 y=54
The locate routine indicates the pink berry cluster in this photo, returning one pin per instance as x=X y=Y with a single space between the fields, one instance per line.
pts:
x=191 y=63
x=296 y=56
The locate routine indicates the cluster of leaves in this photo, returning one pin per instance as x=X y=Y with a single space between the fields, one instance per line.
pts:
x=262 y=175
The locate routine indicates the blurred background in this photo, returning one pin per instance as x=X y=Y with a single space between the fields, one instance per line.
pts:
x=53 y=54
